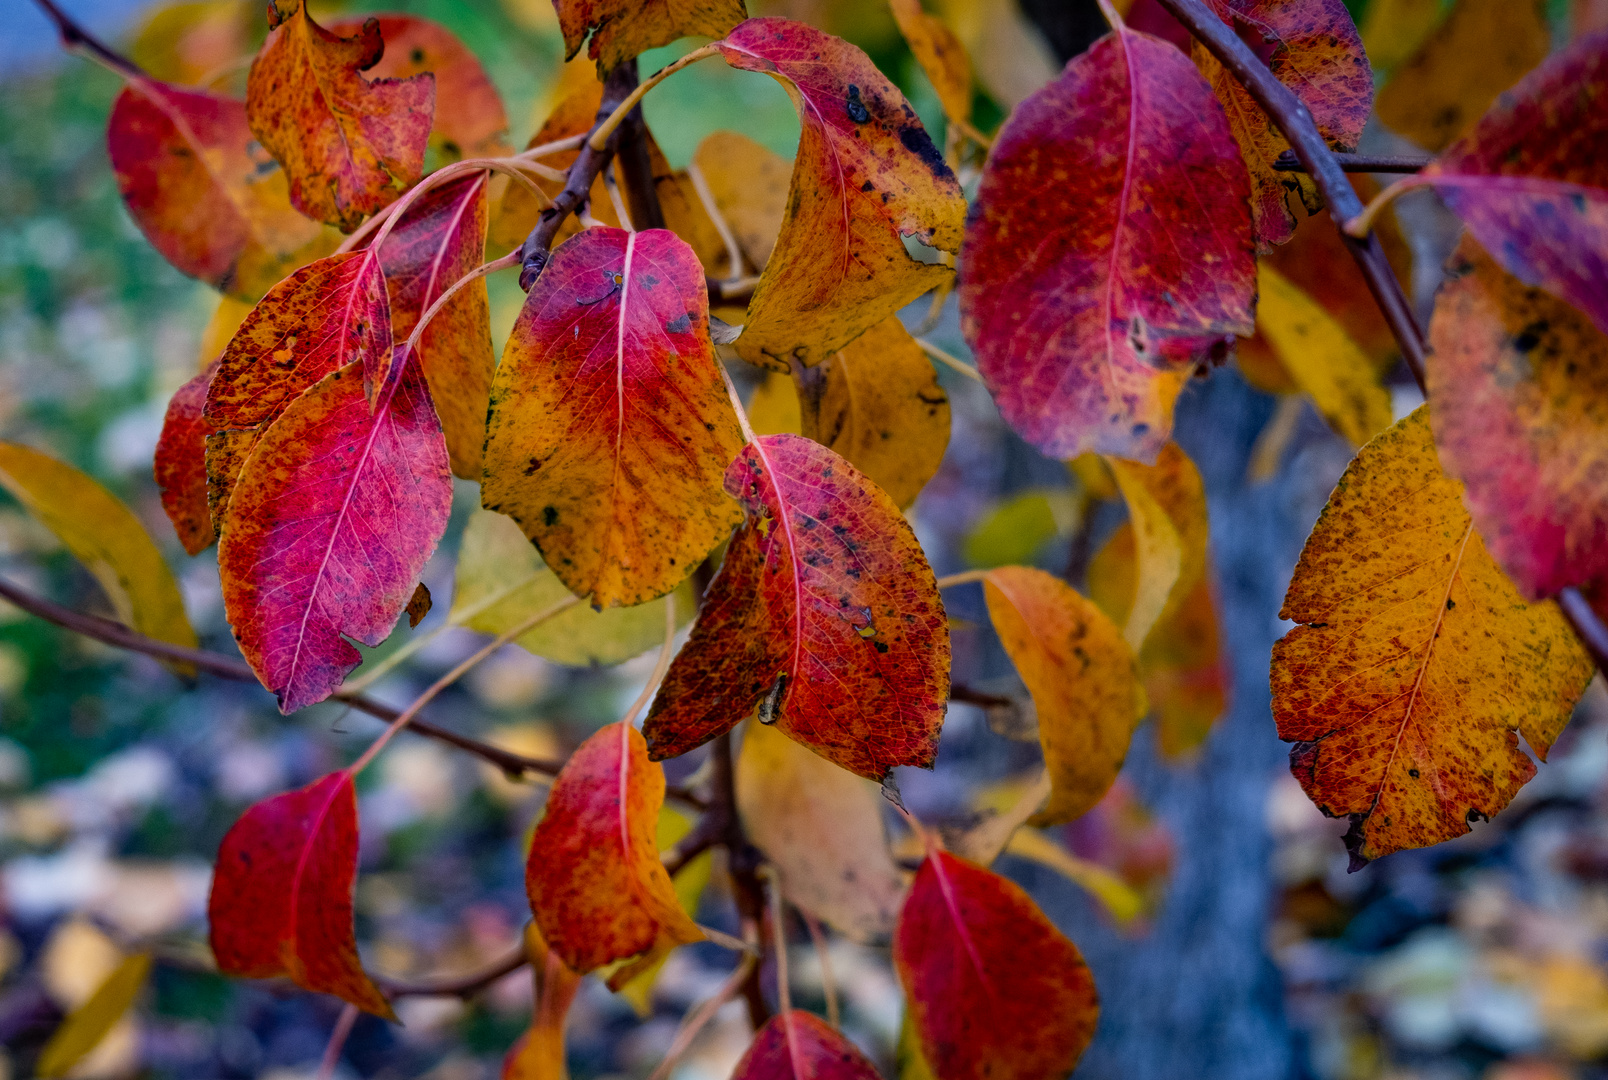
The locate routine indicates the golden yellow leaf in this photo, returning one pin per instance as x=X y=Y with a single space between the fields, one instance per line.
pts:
x=106 y=537
x=1418 y=663
x=749 y=185
x=1167 y=505
x=773 y=410
x=821 y=827
x=501 y=581
x=1003 y=809
x=1121 y=900
x=941 y=55
x=538 y=1054
x=1325 y=363
x=88 y=1024
x=1394 y=30
x=1083 y=678
x=1481 y=49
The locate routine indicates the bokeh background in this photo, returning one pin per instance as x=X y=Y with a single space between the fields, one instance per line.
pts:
x=1258 y=955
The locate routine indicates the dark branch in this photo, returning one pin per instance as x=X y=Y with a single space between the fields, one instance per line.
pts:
x=962 y=692
x=75 y=39
x=1323 y=165
x=459 y=986
x=1364 y=163
x=634 y=165
x=742 y=862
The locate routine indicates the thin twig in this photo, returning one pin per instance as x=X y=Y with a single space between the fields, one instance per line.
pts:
x=509 y=260
x=964 y=577
x=948 y=359
x=75 y=39
x=337 y=1042
x=699 y=1017
x=743 y=861
x=784 y=990
x=600 y=134
x=733 y=290
x=458 y=986
x=823 y=955
x=1358 y=163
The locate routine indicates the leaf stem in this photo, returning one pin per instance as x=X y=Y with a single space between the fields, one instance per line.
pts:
x=962 y=578
x=337 y=1042
x=734 y=253
x=509 y=260
x=736 y=404
x=948 y=359
x=659 y=668
x=459 y=986
x=1362 y=224
x=699 y=1017
x=558 y=146
x=600 y=134
x=823 y=956
x=784 y=993
x=453 y=676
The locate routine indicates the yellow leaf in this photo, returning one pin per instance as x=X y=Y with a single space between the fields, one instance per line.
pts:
x=749 y=186
x=1004 y=809
x=773 y=410
x=539 y=1052
x=912 y=1065
x=226 y=319
x=1009 y=55
x=821 y=827
x=1418 y=663
x=107 y=538
x=1015 y=530
x=1482 y=48
x=941 y=56
x=1325 y=363
x=1167 y=505
x=501 y=581
x=690 y=884
x=88 y=1024
x=1120 y=899
x=1083 y=678
x=1394 y=30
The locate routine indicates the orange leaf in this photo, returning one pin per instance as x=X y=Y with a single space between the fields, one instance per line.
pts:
x=1083 y=678
x=994 y=989
x=539 y=1052
x=825 y=614
x=181 y=467
x=866 y=176
x=941 y=55
x=349 y=145
x=610 y=429
x=796 y=1045
x=1418 y=663
x=596 y=885
x=749 y=186
x=624 y=29
x=281 y=900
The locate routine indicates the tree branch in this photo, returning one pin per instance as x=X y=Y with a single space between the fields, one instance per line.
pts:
x=634 y=166
x=459 y=986
x=1365 y=163
x=75 y=39
x=742 y=862
x=1323 y=165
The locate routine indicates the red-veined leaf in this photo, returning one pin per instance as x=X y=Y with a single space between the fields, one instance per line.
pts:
x=181 y=465
x=796 y=1045
x=439 y=239
x=825 y=614
x=1111 y=237
x=349 y=145
x=281 y=900
x=866 y=176
x=202 y=190
x=596 y=885
x=623 y=29
x=610 y=429
x=335 y=513
x=1518 y=391
x=1312 y=47
x=994 y=989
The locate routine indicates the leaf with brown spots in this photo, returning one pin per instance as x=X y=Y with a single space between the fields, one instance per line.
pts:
x=867 y=175
x=825 y=615
x=610 y=429
x=1417 y=664
x=349 y=144
x=181 y=466
x=624 y=29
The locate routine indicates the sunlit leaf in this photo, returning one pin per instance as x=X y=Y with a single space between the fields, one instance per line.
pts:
x=1417 y=664
x=867 y=175
x=596 y=885
x=623 y=29
x=796 y=1045
x=281 y=900
x=1080 y=293
x=88 y=1024
x=610 y=429
x=1121 y=901
x=349 y=145
x=825 y=615
x=1016 y=529
x=192 y=41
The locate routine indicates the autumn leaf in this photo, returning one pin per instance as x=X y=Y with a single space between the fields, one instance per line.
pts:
x=1167 y=508
x=282 y=888
x=1393 y=31
x=867 y=175
x=181 y=467
x=1418 y=663
x=1078 y=293
x=749 y=185
x=501 y=582
x=796 y=1045
x=104 y=535
x=825 y=615
x=538 y=1054
x=994 y=989
x=1312 y=47
x=1518 y=382
x=1480 y=50
x=821 y=828
x=469 y=120
x=1083 y=678
x=438 y=240
x=1121 y=901
x=624 y=29
x=204 y=193
x=610 y=429
x=349 y=145
x=87 y=1025
x=941 y=55
x=336 y=512
x=636 y=980
x=596 y=885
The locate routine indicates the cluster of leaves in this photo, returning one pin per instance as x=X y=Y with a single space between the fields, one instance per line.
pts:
x=1110 y=251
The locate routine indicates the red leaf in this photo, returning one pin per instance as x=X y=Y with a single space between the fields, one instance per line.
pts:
x=1111 y=233
x=596 y=885
x=441 y=238
x=824 y=613
x=181 y=468
x=994 y=989
x=796 y=1045
x=349 y=145
x=610 y=429
x=281 y=900
x=333 y=518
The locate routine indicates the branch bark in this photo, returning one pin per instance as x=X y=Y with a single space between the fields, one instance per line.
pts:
x=1365 y=163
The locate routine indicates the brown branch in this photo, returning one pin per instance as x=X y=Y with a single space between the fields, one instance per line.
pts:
x=1323 y=165
x=632 y=163
x=742 y=862
x=75 y=39
x=225 y=667
x=459 y=986
x=964 y=693
x=1364 y=163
